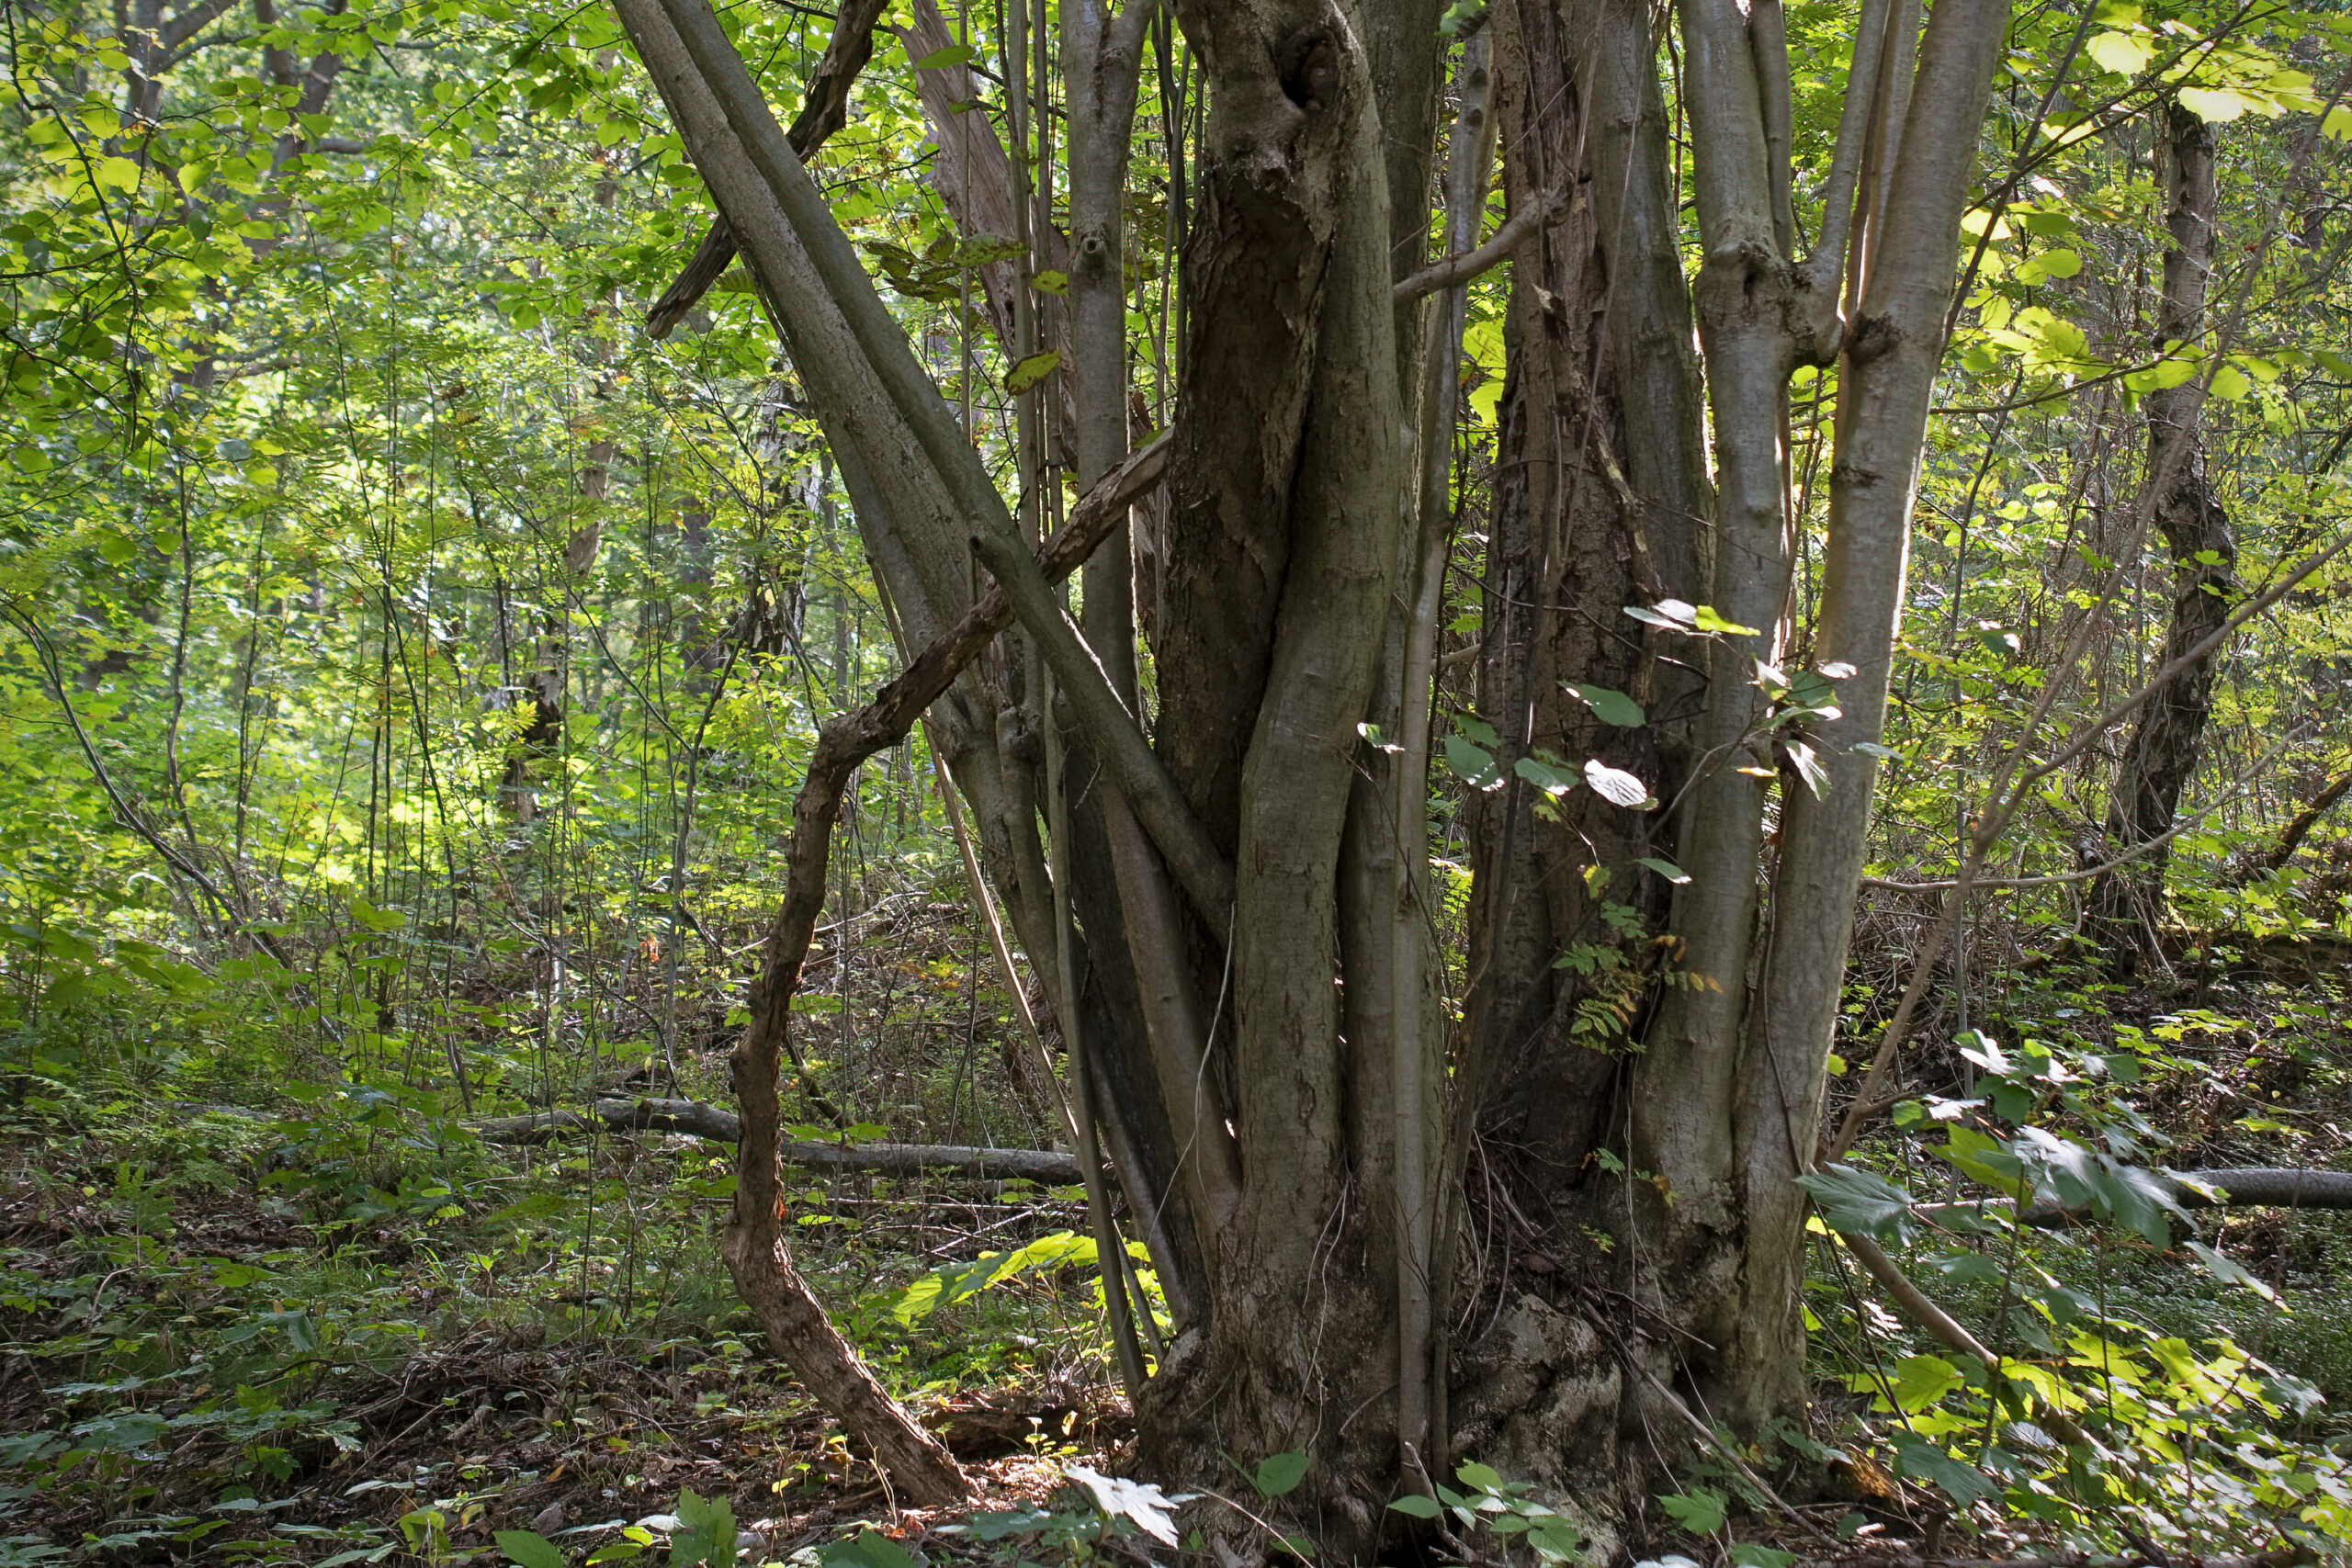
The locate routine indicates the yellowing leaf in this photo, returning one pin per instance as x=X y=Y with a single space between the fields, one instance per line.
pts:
x=2212 y=105
x=2119 y=52
x=2229 y=384
x=1031 y=371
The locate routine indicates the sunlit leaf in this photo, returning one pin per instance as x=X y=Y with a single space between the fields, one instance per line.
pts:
x=1616 y=786
x=1031 y=371
x=2126 y=54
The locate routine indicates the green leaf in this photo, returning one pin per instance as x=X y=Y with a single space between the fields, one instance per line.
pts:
x=1921 y=1381
x=1278 y=1473
x=1610 y=707
x=2230 y=1272
x=1414 y=1506
x=2229 y=384
x=1983 y=1158
x=867 y=1549
x=1857 y=1201
x=1700 y=1510
x=710 y=1533
x=2122 y=54
x=1665 y=868
x=1749 y=1554
x=954 y=54
x=529 y=1549
x=1922 y=1460
x=1031 y=371
x=1544 y=777
x=1474 y=764
x=2212 y=105
x=1479 y=1477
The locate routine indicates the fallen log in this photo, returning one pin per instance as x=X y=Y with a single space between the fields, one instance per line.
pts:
x=705 y=1121
x=2259 y=1187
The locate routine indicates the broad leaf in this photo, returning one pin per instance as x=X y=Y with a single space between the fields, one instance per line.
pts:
x=1474 y=765
x=1856 y=1201
x=1700 y=1510
x=1611 y=706
x=1142 y=1505
x=529 y=1549
x=1031 y=371
x=1922 y=1460
x=1921 y=1381
x=1278 y=1473
x=1616 y=786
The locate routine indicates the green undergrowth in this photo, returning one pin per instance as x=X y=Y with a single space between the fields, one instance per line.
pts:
x=2150 y=1377
x=319 y=1323
x=266 y=1296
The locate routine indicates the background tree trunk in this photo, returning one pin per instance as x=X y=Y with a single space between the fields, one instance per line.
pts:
x=2126 y=904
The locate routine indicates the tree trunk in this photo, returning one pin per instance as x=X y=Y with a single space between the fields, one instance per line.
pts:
x=1283 y=511
x=1246 y=882
x=2126 y=903
x=1663 y=1164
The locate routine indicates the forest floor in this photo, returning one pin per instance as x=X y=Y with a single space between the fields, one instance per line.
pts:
x=386 y=1392
x=273 y=1319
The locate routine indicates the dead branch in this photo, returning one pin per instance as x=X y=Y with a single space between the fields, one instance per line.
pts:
x=721 y=1125
x=2254 y=1187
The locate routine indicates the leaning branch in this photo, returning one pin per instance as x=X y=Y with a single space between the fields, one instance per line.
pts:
x=1946 y=1329
x=754 y=1245
x=822 y=112
x=2297 y=831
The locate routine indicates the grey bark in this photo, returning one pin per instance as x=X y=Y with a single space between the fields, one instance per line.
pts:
x=721 y=1125
x=2125 y=906
x=1893 y=344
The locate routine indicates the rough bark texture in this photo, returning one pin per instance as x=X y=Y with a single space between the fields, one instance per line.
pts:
x=2126 y=904
x=1285 y=499
x=1602 y=501
x=1600 y=485
x=1261 y=1046
x=1602 y=498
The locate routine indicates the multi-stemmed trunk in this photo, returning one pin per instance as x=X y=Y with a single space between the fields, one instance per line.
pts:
x=1240 y=933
